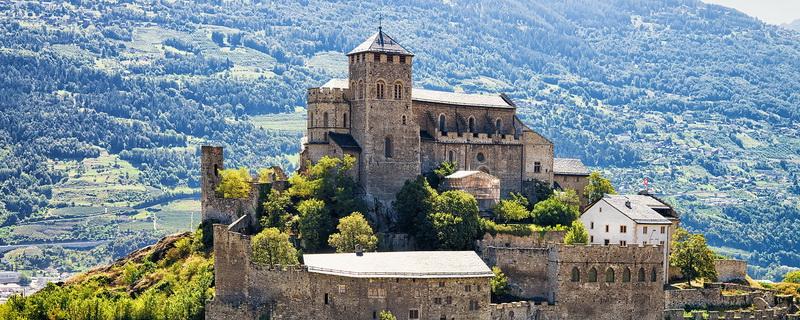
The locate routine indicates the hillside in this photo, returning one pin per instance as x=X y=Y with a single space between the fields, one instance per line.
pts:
x=794 y=25
x=105 y=104
x=171 y=279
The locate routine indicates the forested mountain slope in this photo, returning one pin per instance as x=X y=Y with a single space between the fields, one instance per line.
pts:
x=701 y=99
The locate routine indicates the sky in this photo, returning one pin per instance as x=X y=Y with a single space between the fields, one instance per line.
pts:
x=769 y=11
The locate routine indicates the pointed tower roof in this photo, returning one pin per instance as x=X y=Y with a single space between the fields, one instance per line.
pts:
x=381 y=42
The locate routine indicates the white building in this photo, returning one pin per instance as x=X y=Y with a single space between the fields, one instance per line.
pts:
x=629 y=220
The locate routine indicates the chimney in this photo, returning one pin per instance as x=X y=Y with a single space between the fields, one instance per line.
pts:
x=628 y=204
x=359 y=250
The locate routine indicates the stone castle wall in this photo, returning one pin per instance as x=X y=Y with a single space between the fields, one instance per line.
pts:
x=213 y=206
x=730 y=270
x=524 y=310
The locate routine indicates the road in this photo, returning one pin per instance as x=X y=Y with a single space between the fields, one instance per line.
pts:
x=72 y=244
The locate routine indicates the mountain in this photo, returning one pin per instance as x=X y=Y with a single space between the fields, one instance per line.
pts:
x=794 y=25
x=104 y=104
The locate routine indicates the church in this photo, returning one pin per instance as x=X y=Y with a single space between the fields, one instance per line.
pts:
x=397 y=132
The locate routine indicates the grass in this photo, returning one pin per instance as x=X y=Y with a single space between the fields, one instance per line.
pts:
x=102 y=181
x=294 y=122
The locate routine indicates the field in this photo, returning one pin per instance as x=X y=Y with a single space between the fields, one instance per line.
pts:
x=294 y=122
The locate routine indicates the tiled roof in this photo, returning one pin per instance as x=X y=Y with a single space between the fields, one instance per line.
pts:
x=569 y=166
x=635 y=208
x=381 y=42
x=409 y=264
x=345 y=141
x=444 y=97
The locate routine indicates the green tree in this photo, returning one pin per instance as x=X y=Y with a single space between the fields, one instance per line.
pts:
x=234 y=183
x=691 y=255
x=499 y=283
x=568 y=197
x=552 y=212
x=455 y=220
x=24 y=279
x=353 y=230
x=276 y=210
x=265 y=175
x=271 y=247
x=386 y=315
x=436 y=176
x=792 y=277
x=509 y=210
x=538 y=191
x=598 y=187
x=329 y=180
x=413 y=203
x=315 y=224
x=576 y=234
x=520 y=199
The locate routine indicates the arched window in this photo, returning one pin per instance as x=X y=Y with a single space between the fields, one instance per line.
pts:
x=484 y=169
x=216 y=170
x=610 y=275
x=576 y=275
x=641 y=275
x=344 y=119
x=451 y=156
x=480 y=157
x=360 y=89
x=654 y=275
x=380 y=89
x=592 y=275
x=498 y=125
x=398 y=91
x=311 y=119
x=442 y=123
x=387 y=147
x=471 y=124
x=626 y=275
x=404 y=119
x=325 y=119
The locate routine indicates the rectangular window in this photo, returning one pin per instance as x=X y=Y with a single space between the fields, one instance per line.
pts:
x=537 y=167
x=663 y=230
x=623 y=243
x=402 y=59
x=473 y=305
x=661 y=242
x=376 y=293
x=591 y=239
x=591 y=225
x=606 y=228
x=413 y=314
x=377 y=57
x=623 y=229
x=326 y=299
x=342 y=288
x=468 y=288
x=448 y=300
x=606 y=242
x=644 y=230
x=437 y=300
x=441 y=284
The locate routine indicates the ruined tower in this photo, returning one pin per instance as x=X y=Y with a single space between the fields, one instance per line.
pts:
x=382 y=118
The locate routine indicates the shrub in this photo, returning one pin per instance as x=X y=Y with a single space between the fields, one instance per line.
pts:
x=552 y=212
x=271 y=247
x=509 y=210
x=234 y=183
x=792 y=277
x=455 y=220
x=576 y=234
x=499 y=282
x=354 y=230
x=315 y=224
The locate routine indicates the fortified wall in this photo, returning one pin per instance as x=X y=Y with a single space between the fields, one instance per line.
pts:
x=581 y=281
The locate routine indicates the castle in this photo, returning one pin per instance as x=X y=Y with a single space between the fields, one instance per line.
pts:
x=397 y=132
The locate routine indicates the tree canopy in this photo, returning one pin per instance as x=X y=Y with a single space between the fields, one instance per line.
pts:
x=792 y=277
x=510 y=210
x=354 y=231
x=577 y=234
x=691 y=254
x=455 y=220
x=234 y=183
x=315 y=224
x=271 y=247
x=552 y=212
x=598 y=187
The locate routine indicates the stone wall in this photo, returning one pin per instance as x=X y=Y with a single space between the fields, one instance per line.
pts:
x=769 y=314
x=574 y=182
x=213 y=206
x=730 y=270
x=719 y=296
x=248 y=291
x=523 y=310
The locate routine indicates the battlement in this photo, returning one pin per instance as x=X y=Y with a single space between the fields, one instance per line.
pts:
x=476 y=138
x=331 y=95
x=523 y=310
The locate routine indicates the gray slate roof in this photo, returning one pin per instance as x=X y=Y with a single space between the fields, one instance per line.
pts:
x=444 y=97
x=408 y=264
x=381 y=42
x=569 y=166
x=345 y=141
x=638 y=211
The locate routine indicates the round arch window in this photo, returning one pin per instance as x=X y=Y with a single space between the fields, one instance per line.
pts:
x=480 y=157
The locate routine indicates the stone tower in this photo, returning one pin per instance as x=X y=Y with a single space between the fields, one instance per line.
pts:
x=382 y=118
x=210 y=164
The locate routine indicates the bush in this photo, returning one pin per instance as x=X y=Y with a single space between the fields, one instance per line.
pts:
x=577 y=234
x=792 y=277
x=509 y=210
x=499 y=282
x=598 y=187
x=455 y=220
x=315 y=224
x=552 y=212
x=386 y=315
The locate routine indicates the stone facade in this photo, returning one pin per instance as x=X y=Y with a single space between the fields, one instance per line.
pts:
x=583 y=281
x=245 y=290
x=213 y=206
x=396 y=132
x=731 y=270
x=483 y=186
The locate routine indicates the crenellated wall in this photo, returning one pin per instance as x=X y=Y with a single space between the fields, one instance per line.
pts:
x=524 y=310
x=730 y=270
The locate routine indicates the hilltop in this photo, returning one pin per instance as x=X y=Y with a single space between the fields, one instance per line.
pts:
x=107 y=103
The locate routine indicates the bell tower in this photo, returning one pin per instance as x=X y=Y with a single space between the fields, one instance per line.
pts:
x=383 y=123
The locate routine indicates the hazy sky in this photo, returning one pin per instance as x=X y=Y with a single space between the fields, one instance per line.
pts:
x=770 y=11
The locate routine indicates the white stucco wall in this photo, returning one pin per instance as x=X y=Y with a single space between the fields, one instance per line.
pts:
x=602 y=214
